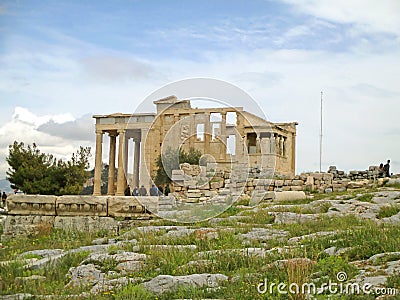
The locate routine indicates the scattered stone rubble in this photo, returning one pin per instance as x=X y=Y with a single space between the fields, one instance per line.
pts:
x=193 y=184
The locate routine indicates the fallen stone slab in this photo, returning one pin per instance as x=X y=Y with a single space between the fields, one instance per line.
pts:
x=374 y=259
x=291 y=218
x=263 y=234
x=42 y=253
x=37 y=264
x=311 y=236
x=168 y=283
x=112 y=284
x=84 y=275
x=177 y=247
x=288 y=195
x=20 y=296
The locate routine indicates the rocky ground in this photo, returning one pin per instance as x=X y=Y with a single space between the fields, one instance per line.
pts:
x=346 y=238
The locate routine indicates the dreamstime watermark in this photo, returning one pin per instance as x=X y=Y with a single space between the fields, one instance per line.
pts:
x=341 y=287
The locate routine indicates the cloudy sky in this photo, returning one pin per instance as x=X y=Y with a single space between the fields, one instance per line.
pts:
x=63 y=61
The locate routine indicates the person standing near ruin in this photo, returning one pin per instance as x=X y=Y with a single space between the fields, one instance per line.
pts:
x=135 y=191
x=153 y=190
x=167 y=190
x=127 y=191
x=387 y=168
x=142 y=191
x=381 y=170
x=3 y=199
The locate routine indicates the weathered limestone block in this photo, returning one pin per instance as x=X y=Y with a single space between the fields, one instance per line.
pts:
x=216 y=184
x=25 y=225
x=31 y=205
x=358 y=184
x=289 y=195
x=124 y=206
x=86 y=223
x=297 y=182
x=194 y=193
x=150 y=203
x=296 y=188
x=81 y=206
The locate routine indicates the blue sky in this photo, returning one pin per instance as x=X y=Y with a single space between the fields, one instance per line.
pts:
x=62 y=61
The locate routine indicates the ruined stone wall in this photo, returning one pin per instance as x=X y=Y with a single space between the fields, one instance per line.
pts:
x=201 y=183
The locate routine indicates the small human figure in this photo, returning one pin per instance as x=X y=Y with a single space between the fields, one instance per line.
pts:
x=142 y=191
x=135 y=191
x=160 y=190
x=4 y=198
x=127 y=191
x=153 y=190
x=381 y=170
x=167 y=190
x=387 y=168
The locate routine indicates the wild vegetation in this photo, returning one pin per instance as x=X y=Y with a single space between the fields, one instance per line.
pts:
x=218 y=246
x=170 y=160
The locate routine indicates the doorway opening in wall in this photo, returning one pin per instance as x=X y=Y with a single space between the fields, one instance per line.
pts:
x=252 y=143
x=200 y=132
x=231 y=145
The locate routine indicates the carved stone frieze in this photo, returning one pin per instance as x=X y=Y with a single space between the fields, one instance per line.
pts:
x=31 y=205
x=81 y=206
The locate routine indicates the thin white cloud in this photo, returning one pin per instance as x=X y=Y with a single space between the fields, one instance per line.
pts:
x=23 y=127
x=366 y=15
x=81 y=129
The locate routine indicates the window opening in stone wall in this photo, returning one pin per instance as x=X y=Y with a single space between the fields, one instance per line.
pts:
x=200 y=132
x=216 y=131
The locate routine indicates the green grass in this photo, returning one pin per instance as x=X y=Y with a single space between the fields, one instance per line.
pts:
x=55 y=239
x=366 y=197
x=393 y=281
x=54 y=272
x=388 y=211
x=363 y=238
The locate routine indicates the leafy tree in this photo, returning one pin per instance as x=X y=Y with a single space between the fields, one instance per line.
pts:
x=35 y=172
x=170 y=160
x=104 y=181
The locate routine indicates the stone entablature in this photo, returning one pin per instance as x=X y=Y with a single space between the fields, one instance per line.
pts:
x=99 y=206
x=31 y=205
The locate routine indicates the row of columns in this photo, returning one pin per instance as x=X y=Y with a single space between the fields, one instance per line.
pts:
x=123 y=149
x=274 y=144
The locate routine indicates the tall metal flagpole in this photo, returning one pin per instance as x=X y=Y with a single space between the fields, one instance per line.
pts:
x=320 y=141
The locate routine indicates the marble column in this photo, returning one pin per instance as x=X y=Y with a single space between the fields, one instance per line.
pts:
x=126 y=158
x=223 y=135
x=207 y=133
x=192 y=130
x=281 y=145
x=121 y=179
x=272 y=144
x=267 y=148
x=136 y=161
x=111 y=164
x=258 y=143
x=144 y=167
x=98 y=164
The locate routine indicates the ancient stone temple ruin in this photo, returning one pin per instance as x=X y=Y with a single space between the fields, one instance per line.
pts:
x=254 y=141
